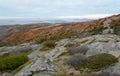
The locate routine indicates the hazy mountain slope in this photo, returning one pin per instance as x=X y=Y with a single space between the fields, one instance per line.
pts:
x=61 y=31
x=7 y=31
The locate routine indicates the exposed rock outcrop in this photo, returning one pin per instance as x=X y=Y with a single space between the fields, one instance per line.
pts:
x=55 y=53
x=23 y=48
x=38 y=66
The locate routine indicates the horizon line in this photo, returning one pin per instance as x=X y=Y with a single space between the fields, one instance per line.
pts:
x=89 y=16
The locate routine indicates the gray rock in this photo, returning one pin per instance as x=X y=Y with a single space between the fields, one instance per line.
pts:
x=6 y=74
x=63 y=42
x=4 y=54
x=113 y=70
x=88 y=40
x=102 y=47
x=108 y=31
x=35 y=67
x=33 y=57
x=54 y=53
x=43 y=66
x=23 y=48
x=42 y=74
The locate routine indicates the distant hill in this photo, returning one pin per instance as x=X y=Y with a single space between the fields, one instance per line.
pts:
x=58 y=31
x=37 y=20
x=7 y=30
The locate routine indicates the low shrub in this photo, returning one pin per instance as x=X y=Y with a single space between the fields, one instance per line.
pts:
x=40 y=40
x=1 y=43
x=49 y=44
x=20 y=67
x=80 y=49
x=77 y=60
x=12 y=62
x=101 y=60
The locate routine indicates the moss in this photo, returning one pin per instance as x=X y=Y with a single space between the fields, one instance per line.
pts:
x=20 y=67
x=99 y=61
x=12 y=62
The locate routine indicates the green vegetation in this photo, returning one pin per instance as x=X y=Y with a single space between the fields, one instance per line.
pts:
x=1 y=44
x=100 y=74
x=116 y=27
x=49 y=44
x=62 y=34
x=12 y=62
x=101 y=60
x=20 y=67
x=95 y=62
x=40 y=40
x=56 y=37
x=96 y=31
x=89 y=33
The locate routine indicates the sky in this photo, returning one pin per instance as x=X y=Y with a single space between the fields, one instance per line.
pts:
x=57 y=8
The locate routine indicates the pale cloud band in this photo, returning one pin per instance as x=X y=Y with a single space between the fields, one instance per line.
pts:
x=55 y=8
x=94 y=16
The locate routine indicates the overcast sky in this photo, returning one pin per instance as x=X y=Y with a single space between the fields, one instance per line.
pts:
x=57 y=8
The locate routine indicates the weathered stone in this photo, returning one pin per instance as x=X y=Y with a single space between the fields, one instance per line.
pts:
x=39 y=67
x=23 y=48
x=33 y=57
x=54 y=53
x=43 y=74
x=35 y=67
x=6 y=74
x=113 y=70
x=108 y=31
x=62 y=42
x=101 y=47
x=4 y=54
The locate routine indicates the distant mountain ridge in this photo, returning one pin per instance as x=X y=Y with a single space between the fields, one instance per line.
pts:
x=37 y=20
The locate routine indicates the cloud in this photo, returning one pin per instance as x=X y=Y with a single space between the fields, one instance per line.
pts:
x=53 y=8
x=10 y=17
x=95 y=16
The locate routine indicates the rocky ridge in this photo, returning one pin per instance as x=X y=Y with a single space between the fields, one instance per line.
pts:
x=54 y=61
